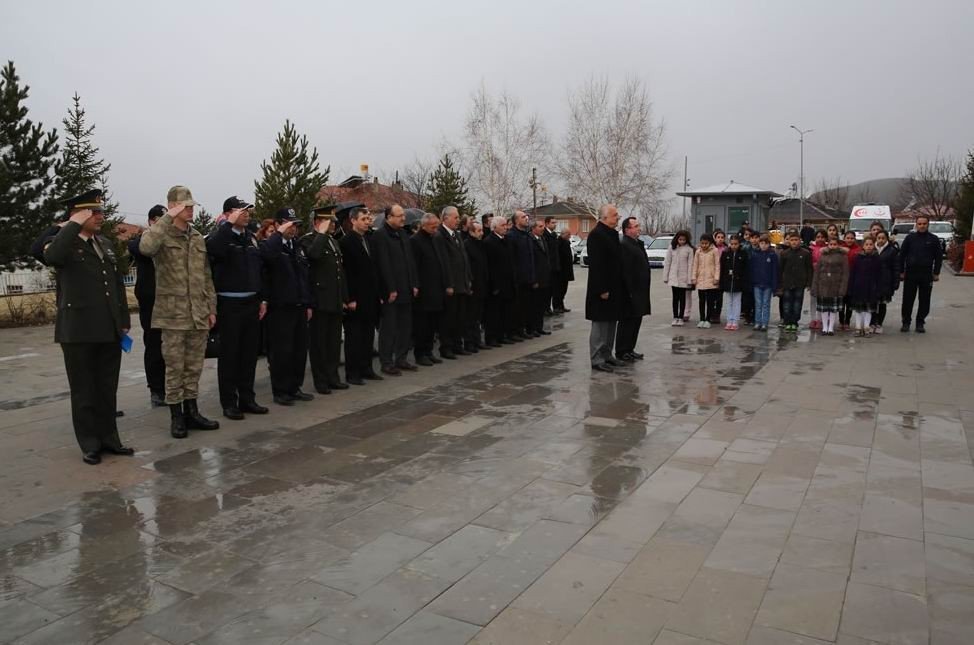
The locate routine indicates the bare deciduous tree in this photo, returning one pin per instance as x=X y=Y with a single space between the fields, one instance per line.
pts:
x=415 y=177
x=832 y=193
x=933 y=186
x=501 y=147
x=614 y=150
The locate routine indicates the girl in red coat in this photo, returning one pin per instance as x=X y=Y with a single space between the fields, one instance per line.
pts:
x=852 y=248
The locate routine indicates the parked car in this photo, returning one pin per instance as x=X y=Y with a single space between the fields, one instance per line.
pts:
x=647 y=240
x=657 y=251
x=900 y=231
x=577 y=251
x=943 y=230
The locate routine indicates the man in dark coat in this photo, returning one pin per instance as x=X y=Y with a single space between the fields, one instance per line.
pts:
x=429 y=302
x=566 y=273
x=605 y=290
x=921 y=256
x=501 y=285
x=550 y=238
x=145 y=294
x=456 y=278
x=241 y=304
x=288 y=309
x=635 y=300
x=541 y=292
x=92 y=318
x=329 y=290
x=398 y=285
x=362 y=308
x=523 y=248
x=477 y=253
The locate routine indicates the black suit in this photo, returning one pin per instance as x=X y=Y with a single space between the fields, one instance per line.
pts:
x=92 y=316
x=540 y=294
x=428 y=305
x=566 y=274
x=477 y=253
x=554 y=262
x=329 y=290
x=635 y=299
x=501 y=289
x=288 y=301
x=456 y=276
x=145 y=294
x=363 y=290
x=523 y=250
x=397 y=273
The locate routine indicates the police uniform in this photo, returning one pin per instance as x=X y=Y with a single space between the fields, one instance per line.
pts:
x=184 y=302
x=329 y=292
x=92 y=317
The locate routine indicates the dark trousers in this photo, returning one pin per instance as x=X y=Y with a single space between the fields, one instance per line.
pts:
x=627 y=332
x=880 y=316
x=473 y=324
x=424 y=331
x=92 y=370
x=679 y=301
x=239 y=329
x=359 y=341
x=917 y=282
x=845 y=314
x=155 y=367
x=450 y=322
x=540 y=299
x=559 y=287
x=522 y=308
x=287 y=347
x=791 y=304
x=324 y=348
x=497 y=313
x=717 y=308
x=747 y=304
x=395 y=333
x=707 y=299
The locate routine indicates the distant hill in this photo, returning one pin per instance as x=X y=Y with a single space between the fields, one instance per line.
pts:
x=893 y=191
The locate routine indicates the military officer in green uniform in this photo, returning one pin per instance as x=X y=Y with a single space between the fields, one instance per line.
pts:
x=330 y=293
x=185 y=307
x=92 y=318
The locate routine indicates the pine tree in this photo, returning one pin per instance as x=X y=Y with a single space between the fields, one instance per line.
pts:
x=447 y=187
x=292 y=178
x=203 y=221
x=82 y=169
x=964 y=206
x=27 y=158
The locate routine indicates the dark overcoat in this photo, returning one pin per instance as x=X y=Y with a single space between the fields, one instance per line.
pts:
x=432 y=288
x=500 y=267
x=604 y=274
x=477 y=254
x=635 y=277
x=362 y=279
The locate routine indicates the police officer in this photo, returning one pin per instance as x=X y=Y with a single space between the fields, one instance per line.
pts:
x=237 y=272
x=329 y=291
x=145 y=293
x=185 y=307
x=92 y=318
x=288 y=310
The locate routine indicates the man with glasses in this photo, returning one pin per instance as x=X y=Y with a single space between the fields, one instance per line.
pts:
x=920 y=259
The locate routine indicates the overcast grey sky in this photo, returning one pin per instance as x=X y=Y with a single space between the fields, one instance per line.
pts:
x=195 y=92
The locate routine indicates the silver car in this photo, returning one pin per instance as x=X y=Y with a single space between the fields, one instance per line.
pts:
x=656 y=253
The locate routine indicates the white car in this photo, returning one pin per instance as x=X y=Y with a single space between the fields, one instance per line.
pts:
x=656 y=253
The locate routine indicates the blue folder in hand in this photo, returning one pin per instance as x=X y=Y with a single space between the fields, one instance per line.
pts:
x=126 y=343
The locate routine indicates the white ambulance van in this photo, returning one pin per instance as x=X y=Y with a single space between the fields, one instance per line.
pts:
x=863 y=216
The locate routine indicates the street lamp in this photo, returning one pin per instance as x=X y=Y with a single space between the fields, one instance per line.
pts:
x=801 y=178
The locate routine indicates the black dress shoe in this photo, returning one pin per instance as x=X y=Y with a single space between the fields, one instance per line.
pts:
x=392 y=371
x=494 y=344
x=92 y=458
x=921 y=329
x=409 y=367
x=123 y=451
x=602 y=367
x=233 y=413
x=354 y=380
x=565 y=310
x=157 y=399
x=372 y=376
x=425 y=361
x=251 y=407
x=322 y=389
x=283 y=399
x=119 y=413
x=544 y=333
x=459 y=351
x=905 y=328
x=625 y=358
x=614 y=363
x=505 y=341
x=435 y=359
x=338 y=385
x=483 y=346
x=302 y=396
x=472 y=349
x=637 y=356
x=450 y=356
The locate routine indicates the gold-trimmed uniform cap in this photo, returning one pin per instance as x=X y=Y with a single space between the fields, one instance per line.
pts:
x=92 y=199
x=325 y=212
x=180 y=195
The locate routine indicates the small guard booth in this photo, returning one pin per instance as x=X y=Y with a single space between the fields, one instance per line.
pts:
x=727 y=207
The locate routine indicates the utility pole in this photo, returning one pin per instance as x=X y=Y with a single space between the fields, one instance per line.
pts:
x=684 y=187
x=801 y=175
x=534 y=187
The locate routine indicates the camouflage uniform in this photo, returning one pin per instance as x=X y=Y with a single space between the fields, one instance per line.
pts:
x=185 y=299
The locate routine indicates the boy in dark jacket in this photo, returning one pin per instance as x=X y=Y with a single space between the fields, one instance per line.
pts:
x=795 y=276
x=734 y=279
x=764 y=280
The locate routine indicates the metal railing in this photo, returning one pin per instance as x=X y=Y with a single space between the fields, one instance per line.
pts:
x=23 y=281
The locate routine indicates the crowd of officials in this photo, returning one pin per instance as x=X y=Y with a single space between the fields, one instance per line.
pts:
x=850 y=283
x=440 y=286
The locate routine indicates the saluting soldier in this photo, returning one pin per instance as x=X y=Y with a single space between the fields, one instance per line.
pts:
x=185 y=307
x=92 y=318
x=330 y=292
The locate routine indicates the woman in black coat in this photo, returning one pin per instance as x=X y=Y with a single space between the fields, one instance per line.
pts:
x=635 y=301
x=889 y=257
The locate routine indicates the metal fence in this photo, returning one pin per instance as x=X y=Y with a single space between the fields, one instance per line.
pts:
x=13 y=283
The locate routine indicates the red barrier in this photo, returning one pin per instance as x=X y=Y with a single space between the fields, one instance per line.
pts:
x=968 y=257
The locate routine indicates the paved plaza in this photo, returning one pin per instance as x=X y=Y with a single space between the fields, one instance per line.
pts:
x=733 y=488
